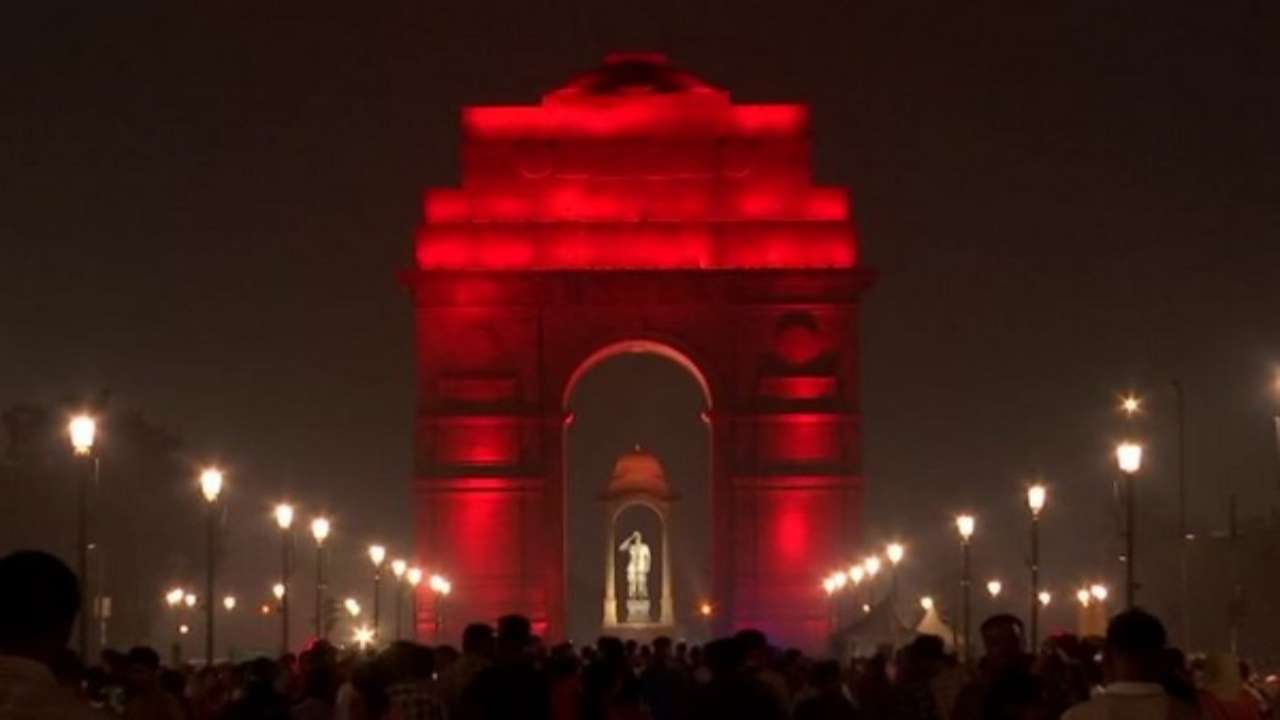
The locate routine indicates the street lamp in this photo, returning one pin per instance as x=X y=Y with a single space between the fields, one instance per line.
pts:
x=284 y=521
x=965 y=525
x=363 y=637
x=705 y=611
x=352 y=607
x=320 y=528
x=377 y=555
x=1044 y=597
x=1130 y=405
x=211 y=488
x=83 y=430
x=1129 y=458
x=442 y=588
x=398 y=568
x=895 y=552
x=1083 y=597
x=994 y=587
x=413 y=576
x=1037 y=495
x=229 y=602
x=926 y=603
x=1098 y=592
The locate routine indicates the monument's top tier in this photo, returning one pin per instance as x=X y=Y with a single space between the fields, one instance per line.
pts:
x=636 y=165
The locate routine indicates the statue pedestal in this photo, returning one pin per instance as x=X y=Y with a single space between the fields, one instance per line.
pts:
x=638 y=612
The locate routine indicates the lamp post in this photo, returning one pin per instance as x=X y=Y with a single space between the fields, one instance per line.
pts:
x=377 y=555
x=895 y=552
x=83 y=430
x=441 y=586
x=174 y=599
x=413 y=576
x=1129 y=458
x=211 y=488
x=1036 y=497
x=994 y=588
x=284 y=520
x=965 y=525
x=398 y=568
x=320 y=528
x=706 y=610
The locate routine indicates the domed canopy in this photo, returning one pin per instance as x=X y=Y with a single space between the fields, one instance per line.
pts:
x=638 y=472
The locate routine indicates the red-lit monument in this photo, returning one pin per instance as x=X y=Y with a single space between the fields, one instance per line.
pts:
x=637 y=209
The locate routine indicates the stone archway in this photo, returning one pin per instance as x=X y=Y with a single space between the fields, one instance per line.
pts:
x=638 y=209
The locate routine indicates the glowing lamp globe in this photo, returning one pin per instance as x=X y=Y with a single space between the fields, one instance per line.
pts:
x=398 y=568
x=895 y=552
x=926 y=603
x=1036 y=497
x=211 y=483
x=965 y=526
x=320 y=528
x=284 y=516
x=377 y=554
x=82 y=428
x=994 y=587
x=1129 y=457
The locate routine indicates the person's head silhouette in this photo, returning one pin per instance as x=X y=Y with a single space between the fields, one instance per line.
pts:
x=38 y=605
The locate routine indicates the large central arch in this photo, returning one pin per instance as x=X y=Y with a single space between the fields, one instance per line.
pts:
x=637 y=210
x=606 y=435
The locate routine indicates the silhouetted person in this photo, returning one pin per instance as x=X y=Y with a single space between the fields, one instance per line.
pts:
x=1006 y=656
x=409 y=690
x=829 y=701
x=664 y=684
x=1135 y=663
x=733 y=691
x=260 y=699
x=39 y=598
x=147 y=699
x=477 y=655
x=513 y=687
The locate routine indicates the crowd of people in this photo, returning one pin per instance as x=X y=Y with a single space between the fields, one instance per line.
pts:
x=504 y=671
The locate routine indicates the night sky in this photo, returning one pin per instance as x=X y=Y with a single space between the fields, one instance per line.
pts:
x=203 y=209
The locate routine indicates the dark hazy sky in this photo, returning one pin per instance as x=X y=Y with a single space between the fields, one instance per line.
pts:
x=203 y=207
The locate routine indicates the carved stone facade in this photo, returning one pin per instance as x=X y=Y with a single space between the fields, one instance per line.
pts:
x=567 y=245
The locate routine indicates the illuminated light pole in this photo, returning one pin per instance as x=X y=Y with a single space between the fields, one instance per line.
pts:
x=229 y=602
x=377 y=556
x=83 y=429
x=211 y=488
x=1129 y=458
x=352 y=607
x=398 y=568
x=895 y=552
x=1036 y=498
x=829 y=587
x=320 y=528
x=414 y=577
x=706 y=610
x=284 y=521
x=442 y=587
x=363 y=637
x=965 y=525
x=994 y=587
x=174 y=599
x=1045 y=598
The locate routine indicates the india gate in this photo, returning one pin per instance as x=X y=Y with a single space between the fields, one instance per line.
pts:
x=637 y=209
